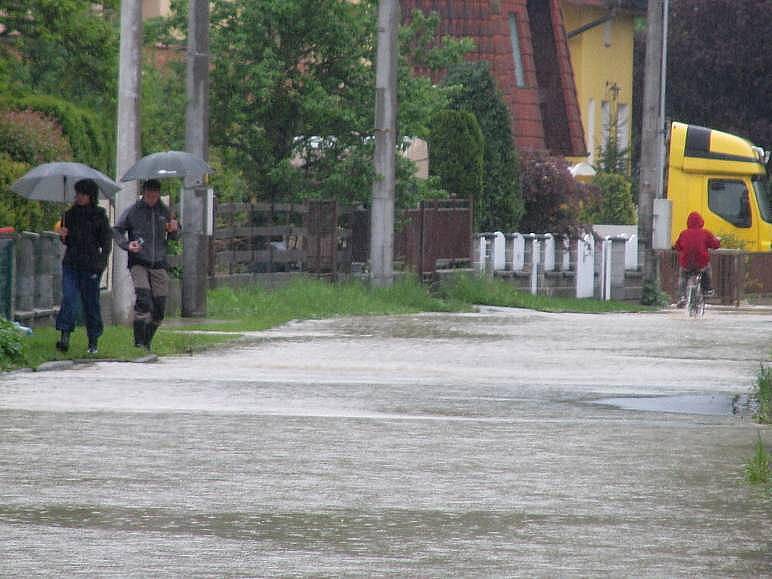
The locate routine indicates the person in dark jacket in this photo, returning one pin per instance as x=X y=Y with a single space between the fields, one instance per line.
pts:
x=86 y=232
x=692 y=245
x=143 y=231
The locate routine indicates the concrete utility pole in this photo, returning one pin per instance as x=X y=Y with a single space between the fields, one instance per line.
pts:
x=128 y=144
x=652 y=135
x=195 y=241
x=382 y=210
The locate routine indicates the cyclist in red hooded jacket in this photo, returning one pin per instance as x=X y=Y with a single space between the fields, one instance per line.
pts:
x=692 y=245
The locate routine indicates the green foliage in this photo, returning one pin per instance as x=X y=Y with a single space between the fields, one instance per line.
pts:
x=456 y=152
x=475 y=289
x=553 y=198
x=293 y=86
x=27 y=138
x=30 y=137
x=473 y=89
x=65 y=48
x=89 y=137
x=257 y=308
x=613 y=204
x=763 y=395
x=10 y=345
x=163 y=107
x=652 y=294
x=757 y=469
x=294 y=70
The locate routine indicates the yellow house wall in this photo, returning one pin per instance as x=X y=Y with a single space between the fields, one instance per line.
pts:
x=601 y=58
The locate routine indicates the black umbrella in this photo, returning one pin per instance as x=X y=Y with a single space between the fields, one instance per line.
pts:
x=56 y=182
x=167 y=164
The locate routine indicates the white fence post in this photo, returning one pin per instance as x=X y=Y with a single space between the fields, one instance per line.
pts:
x=481 y=252
x=518 y=252
x=605 y=271
x=549 y=252
x=631 y=252
x=585 y=266
x=565 y=261
x=535 y=258
x=498 y=251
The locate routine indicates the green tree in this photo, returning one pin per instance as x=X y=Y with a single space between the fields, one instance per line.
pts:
x=500 y=207
x=66 y=48
x=456 y=148
x=614 y=204
x=292 y=93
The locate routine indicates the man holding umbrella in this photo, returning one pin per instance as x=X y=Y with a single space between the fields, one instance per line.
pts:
x=143 y=231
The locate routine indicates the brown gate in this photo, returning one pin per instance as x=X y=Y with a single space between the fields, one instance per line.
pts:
x=322 y=242
x=436 y=235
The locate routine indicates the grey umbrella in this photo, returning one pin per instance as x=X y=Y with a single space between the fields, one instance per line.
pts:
x=167 y=164
x=56 y=182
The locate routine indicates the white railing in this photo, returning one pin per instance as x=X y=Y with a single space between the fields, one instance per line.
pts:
x=596 y=263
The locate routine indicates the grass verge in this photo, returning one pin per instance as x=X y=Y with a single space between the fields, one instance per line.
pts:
x=254 y=309
x=757 y=469
x=763 y=395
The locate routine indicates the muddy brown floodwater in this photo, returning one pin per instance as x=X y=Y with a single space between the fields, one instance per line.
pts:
x=497 y=443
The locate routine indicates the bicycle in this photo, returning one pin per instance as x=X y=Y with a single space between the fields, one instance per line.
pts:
x=695 y=299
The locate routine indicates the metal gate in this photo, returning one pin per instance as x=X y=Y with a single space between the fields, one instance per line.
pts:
x=322 y=242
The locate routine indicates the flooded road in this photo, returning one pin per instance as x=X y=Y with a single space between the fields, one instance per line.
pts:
x=498 y=443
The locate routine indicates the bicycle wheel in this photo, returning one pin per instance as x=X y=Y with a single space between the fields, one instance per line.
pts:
x=696 y=301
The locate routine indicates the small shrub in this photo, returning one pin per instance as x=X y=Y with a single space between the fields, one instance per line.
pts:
x=764 y=395
x=10 y=344
x=614 y=204
x=757 y=469
x=652 y=294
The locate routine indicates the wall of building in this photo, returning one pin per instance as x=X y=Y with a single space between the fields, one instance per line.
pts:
x=602 y=59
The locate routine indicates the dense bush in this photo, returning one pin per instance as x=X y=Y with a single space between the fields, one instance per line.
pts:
x=456 y=152
x=10 y=344
x=27 y=138
x=500 y=207
x=553 y=198
x=89 y=137
x=613 y=203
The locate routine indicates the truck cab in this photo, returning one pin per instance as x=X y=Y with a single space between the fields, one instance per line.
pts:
x=724 y=177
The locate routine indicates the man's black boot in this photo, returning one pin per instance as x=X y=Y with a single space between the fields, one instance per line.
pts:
x=139 y=333
x=64 y=341
x=149 y=333
x=92 y=345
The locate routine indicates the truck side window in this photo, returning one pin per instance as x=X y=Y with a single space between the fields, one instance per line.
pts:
x=729 y=200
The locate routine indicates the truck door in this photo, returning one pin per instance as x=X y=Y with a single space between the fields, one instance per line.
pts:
x=730 y=208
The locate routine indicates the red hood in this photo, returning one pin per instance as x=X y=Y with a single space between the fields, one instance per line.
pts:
x=694 y=221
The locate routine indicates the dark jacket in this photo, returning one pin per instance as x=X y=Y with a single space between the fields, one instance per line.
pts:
x=145 y=224
x=89 y=238
x=693 y=243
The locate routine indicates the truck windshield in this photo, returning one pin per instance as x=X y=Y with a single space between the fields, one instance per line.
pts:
x=763 y=192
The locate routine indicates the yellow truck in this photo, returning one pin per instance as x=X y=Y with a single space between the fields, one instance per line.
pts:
x=724 y=177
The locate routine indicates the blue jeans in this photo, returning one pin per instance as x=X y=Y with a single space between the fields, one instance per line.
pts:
x=80 y=287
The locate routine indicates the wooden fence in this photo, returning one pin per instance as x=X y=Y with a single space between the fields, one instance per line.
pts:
x=280 y=237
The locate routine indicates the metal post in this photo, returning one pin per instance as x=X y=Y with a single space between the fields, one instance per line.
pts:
x=195 y=242
x=128 y=144
x=382 y=213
